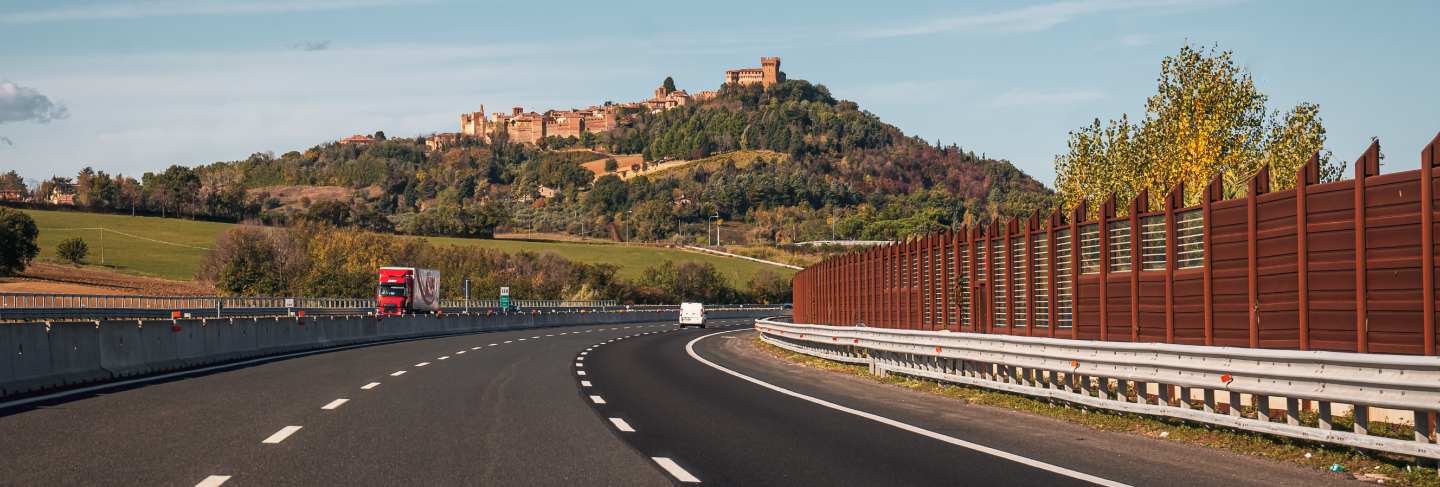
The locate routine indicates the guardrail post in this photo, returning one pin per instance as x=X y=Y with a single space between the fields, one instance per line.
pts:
x=1362 y=419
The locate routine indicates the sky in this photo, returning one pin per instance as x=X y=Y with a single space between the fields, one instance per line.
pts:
x=130 y=87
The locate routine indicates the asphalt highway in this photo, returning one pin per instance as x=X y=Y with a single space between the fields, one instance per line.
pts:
x=624 y=405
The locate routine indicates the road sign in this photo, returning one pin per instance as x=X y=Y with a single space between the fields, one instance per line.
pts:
x=504 y=297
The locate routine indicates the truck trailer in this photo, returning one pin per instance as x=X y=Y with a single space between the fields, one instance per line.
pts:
x=408 y=290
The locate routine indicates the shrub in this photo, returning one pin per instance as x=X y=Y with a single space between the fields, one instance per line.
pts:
x=72 y=250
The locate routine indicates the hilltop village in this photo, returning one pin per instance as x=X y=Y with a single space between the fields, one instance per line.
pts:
x=530 y=127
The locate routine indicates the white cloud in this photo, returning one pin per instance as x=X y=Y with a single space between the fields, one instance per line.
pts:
x=178 y=8
x=1021 y=99
x=25 y=104
x=1033 y=18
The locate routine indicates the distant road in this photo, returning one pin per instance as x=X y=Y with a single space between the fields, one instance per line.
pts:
x=621 y=405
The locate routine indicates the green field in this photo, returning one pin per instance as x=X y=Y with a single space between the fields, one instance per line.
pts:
x=173 y=250
x=175 y=247
x=633 y=260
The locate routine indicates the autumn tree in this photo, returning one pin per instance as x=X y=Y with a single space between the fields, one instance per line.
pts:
x=1207 y=118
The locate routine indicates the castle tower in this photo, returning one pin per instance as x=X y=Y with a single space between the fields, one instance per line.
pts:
x=771 y=67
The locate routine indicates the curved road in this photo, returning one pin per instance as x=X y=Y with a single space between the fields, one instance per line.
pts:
x=624 y=405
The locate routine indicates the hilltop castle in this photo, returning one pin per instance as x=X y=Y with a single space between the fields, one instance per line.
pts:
x=530 y=127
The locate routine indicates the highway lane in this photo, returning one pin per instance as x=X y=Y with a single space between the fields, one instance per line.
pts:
x=463 y=412
x=723 y=430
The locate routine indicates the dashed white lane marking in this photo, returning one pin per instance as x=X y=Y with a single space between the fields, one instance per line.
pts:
x=494 y=344
x=536 y=337
x=422 y=364
x=509 y=341
x=475 y=348
x=621 y=425
x=578 y=364
x=213 y=481
x=446 y=357
x=580 y=372
x=675 y=470
x=1056 y=469
x=334 y=404
x=582 y=354
x=369 y=386
x=522 y=339
x=582 y=359
x=597 y=399
x=549 y=335
x=584 y=383
x=397 y=373
x=281 y=435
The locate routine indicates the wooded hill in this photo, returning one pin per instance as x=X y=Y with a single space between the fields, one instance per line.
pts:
x=847 y=174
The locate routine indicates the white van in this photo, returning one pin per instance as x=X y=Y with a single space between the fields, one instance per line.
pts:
x=692 y=314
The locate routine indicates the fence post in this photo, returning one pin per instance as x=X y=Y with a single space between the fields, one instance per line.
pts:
x=1107 y=211
x=1259 y=184
x=1309 y=174
x=1367 y=165
x=1031 y=224
x=1175 y=199
x=1054 y=315
x=1212 y=194
x=1076 y=214
x=971 y=234
x=916 y=321
x=1427 y=240
x=1140 y=203
x=1010 y=275
x=947 y=250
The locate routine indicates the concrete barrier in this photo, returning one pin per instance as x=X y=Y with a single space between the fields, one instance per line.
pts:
x=41 y=356
x=75 y=353
x=122 y=350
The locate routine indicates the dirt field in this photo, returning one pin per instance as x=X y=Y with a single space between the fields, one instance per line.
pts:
x=44 y=277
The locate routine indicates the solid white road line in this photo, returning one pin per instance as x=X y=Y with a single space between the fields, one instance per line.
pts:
x=597 y=399
x=1056 y=469
x=621 y=425
x=397 y=373
x=281 y=435
x=369 y=386
x=213 y=481
x=584 y=383
x=334 y=404
x=675 y=470
x=422 y=364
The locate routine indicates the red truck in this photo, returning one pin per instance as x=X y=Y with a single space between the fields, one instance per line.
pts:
x=408 y=290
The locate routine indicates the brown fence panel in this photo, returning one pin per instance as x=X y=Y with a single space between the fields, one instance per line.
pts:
x=1333 y=266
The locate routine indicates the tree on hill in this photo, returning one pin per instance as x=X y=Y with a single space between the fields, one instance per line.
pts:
x=17 y=241
x=669 y=84
x=1207 y=118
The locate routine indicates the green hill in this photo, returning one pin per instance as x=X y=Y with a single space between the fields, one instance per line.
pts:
x=173 y=248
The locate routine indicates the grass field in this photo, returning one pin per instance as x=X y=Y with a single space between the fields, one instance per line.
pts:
x=172 y=248
x=148 y=246
x=633 y=260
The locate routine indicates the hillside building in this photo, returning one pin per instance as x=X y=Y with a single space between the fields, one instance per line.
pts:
x=767 y=74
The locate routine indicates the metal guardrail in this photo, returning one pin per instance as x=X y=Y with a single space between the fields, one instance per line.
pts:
x=15 y=305
x=1121 y=376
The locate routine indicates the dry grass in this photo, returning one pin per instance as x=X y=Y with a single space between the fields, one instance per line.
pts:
x=1393 y=470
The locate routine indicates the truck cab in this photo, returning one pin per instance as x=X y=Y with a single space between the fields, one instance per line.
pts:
x=692 y=314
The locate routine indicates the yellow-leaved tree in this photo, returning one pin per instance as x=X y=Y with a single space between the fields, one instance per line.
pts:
x=1207 y=118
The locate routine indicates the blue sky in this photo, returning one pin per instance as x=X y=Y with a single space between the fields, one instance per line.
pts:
x=131 y=87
